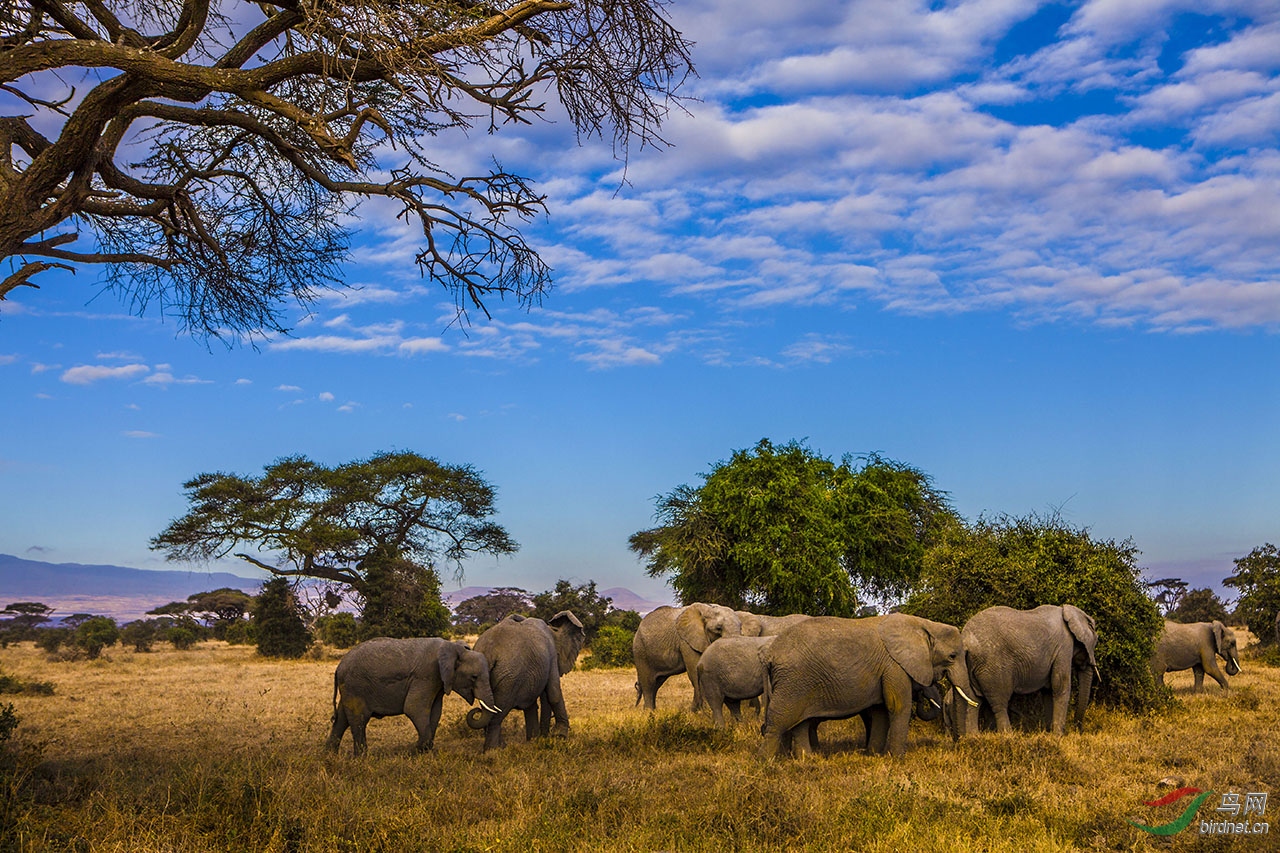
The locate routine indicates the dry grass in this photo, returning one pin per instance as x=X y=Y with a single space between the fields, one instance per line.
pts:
x=216 y=749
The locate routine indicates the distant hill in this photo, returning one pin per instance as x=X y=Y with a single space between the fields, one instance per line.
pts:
x=126 y=594
x=122 y=593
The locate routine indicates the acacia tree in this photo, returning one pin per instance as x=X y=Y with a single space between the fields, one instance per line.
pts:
x=1257 y=576
x=786 y=530
x=210 y=161
x=345 y=524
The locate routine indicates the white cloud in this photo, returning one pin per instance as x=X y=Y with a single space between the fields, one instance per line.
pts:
x=413 y=346
x=288 y=388
x=243 y=381
x=165 y=378
x=325 y=397
x=86 y=374
x=138 y=433
x=8 y=359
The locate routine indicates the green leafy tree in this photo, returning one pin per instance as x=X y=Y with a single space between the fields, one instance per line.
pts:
x=20 y=620
x=140 y=633
x=220 y=608
x=475 y=614
x=356 y=525
x=628 y=620
x=786 y=530
x=95 y=634
x=52 y=640
x=1257 y=576
x=1167 y=593
x=611 y=648
x=75 y=620
x=281 y=631
x=1025 y=562
x=211 y=153
x=1199 y=605
x=401 y=599
x=183 y=635
x=339 y=630
x=589 y=606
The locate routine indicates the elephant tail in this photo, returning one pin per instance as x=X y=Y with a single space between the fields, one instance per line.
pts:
x=639 y=693
x=335 y=692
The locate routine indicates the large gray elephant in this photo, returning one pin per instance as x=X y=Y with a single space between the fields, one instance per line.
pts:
x=1195 y=646
x=526 y=659
x=875 y=721
x=385 y=677
x=731 y=671
x=670 y=640
x=1026 y=651
x=829 y=668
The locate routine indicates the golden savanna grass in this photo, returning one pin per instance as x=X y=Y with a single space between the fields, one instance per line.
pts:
x=218 y=749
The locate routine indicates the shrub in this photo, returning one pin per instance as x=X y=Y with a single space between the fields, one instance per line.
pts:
x=1199 y=605
x=1025 y=562
x=95 y=634
x=140 y=633
x=339 y=630
x=13 y=684
x=52 y=639
x=241 y=633
x=611 y=648
x=8 y=721
x=182 y=636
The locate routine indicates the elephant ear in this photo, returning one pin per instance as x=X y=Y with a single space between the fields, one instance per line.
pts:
x=449 y=654
x=1080 y=624
x=691 y=626
x=751 y=624
x=569 y=636
x=1219 y=636
x=909 y=644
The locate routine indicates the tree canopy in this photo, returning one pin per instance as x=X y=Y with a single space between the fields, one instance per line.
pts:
x=481 y=611
x=1199 y=605
x=1257 y=576
x=209 y=158
x=304 y=519
x=786 y=530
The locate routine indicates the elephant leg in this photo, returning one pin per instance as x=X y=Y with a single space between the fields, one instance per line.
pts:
x=423 y=710
x=531 y=721
x=544 y=716
x=1198 y=671
x=358 y=724
x=754 y=702
x=691 y=659
x=899 y=725
x=1084 y=691
x=877 y=730
x=1216 y=673
x=801 y=739
x=339 y=729
x=1060 y=682
x=555 y=699
x=493 y=738
x=735 y=709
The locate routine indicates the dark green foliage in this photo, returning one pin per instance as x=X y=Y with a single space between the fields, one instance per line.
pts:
x=481 y=612
x=1025 y=562
x=786 y=530
x=1167 y=593
x=339 y=630
x=140 y=633
x=8 y=722
x=20 y=619
x=611 y=648
x=401 y=599
x=241 y=633
x=219 y=608
x=95 y=634
x=583 y=601
x=75 y=620
x=628 y=620
x=282 y=633
x=52 y=639
x=1199 y=605
x=182 y=635
x=13 y=684
x=326 y=522
x=1257 y=576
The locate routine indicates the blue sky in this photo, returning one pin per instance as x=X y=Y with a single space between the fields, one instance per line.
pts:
x=1031 y=249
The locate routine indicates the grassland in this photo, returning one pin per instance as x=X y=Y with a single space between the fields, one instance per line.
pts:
x=216 y=749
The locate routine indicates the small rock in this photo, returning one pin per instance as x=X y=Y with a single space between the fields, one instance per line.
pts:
x=1172 y=782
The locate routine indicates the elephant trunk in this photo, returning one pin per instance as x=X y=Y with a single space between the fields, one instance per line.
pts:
x=964 y=700
x=479 y=718
x=1083 y=692
x=928 y=708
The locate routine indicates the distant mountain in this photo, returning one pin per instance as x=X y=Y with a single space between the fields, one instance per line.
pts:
x=126 y=594
x=122 y=593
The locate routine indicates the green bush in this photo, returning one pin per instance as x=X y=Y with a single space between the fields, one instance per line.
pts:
x=13 y=684
x=281 y=631
x=95 y=634
x=240 y=633
x=611 y=648
x=339 y=630
x=8 y=721
x=52 y=639
x=183 y=637
x=140 y=633
x=1025 y=562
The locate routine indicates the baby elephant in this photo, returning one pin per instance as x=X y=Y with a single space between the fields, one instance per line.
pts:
x=385 y=677
x=729 y=671
x=1196 y=647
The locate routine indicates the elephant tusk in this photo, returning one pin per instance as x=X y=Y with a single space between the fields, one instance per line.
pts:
x=1237 y=663
x=965 y=697
x=491 y=709
x=933 y=702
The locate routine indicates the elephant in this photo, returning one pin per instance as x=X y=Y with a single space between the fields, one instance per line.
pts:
x=670 y=640
x=526 y=658
x=875 y=720
x=1011 y=651
x=730 y=671
x=830 y=668
x=384 y=677
x=1195 y=646
x=756 y=625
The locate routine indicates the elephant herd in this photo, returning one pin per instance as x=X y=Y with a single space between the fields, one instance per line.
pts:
x=810 y=669
x=800 y=670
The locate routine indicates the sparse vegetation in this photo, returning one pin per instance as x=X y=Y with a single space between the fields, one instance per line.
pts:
x=223 y=750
